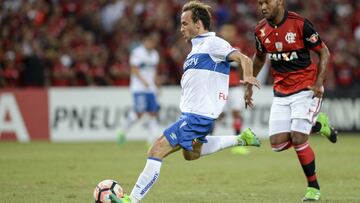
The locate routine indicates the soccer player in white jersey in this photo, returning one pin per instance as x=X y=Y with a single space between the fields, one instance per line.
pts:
x=144 y=61
x=205 y=84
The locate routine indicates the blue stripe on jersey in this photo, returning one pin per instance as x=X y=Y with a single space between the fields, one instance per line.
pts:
x=204 y=61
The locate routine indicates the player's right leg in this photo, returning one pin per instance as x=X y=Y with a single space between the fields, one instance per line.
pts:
x=280 y=124
x=151 y=172
x=169 y=142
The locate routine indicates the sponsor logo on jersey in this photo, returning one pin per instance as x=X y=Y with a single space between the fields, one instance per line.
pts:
x=313 y=38
x=289 y=56
x=279 y=46
x=190 y=62
x=290 y=37
x=267 y=41
x=223 y=96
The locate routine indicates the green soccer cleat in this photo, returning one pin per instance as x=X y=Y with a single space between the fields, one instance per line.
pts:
x=125 y=199
x=312 y=194
x=248 y=138
x=326 y=130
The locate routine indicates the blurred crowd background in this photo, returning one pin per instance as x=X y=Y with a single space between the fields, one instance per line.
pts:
x=87 y=43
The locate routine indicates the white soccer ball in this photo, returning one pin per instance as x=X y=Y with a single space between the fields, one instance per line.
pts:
x=105 y=188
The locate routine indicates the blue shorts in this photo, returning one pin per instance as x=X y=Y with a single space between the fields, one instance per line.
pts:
x=145 y=102
x=188 y=128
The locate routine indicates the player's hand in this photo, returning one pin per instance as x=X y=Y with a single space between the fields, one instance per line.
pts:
x=318 y=90
x=248 y=96
x=250 y=81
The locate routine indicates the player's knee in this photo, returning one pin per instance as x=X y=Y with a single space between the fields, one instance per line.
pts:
x=298 y=138
x=191 y=156
x=280 y=142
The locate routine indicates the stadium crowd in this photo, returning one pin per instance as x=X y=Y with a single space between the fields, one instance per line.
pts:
x=87 y=43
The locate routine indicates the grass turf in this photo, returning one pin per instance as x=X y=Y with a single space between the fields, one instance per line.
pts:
x=42 y=172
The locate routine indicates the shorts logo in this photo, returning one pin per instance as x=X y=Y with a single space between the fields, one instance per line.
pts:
x=173 y=136
x=183 y=124
x=290 y=37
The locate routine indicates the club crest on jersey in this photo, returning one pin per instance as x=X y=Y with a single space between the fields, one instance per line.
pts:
x=279 y=46
x=313 y=38
x=290 y=37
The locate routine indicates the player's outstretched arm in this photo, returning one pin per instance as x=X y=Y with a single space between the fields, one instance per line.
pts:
x=246 y=64
x=249 y=80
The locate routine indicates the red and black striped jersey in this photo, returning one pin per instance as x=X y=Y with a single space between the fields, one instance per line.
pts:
x=288 y=45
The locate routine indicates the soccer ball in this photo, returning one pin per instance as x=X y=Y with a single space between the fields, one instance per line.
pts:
x=105 y=188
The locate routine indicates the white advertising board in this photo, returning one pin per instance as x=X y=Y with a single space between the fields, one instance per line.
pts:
x=93 y=114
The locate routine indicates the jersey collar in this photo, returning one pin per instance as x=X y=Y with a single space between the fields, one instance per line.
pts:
x=286 y=14
x=200 y=38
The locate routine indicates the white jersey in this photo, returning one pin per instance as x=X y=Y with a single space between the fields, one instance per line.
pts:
x=205 y=81
x=147 y=62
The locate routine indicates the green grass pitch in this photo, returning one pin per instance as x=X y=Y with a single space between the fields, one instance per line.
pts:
x=42 y=172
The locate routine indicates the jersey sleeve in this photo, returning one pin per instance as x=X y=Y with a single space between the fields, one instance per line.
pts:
x=311 y=37
x=221 y=49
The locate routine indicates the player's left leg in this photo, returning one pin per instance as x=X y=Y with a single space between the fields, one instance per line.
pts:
x=299 y=138
x=304 y=108
x=323 y=127
x=320 y=120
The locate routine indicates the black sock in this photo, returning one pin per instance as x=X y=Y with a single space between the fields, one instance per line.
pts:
x=309 y=171
x=316 y=128
x=314 y=184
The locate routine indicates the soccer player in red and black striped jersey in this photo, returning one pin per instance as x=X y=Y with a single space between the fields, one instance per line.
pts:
x=287 y=38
